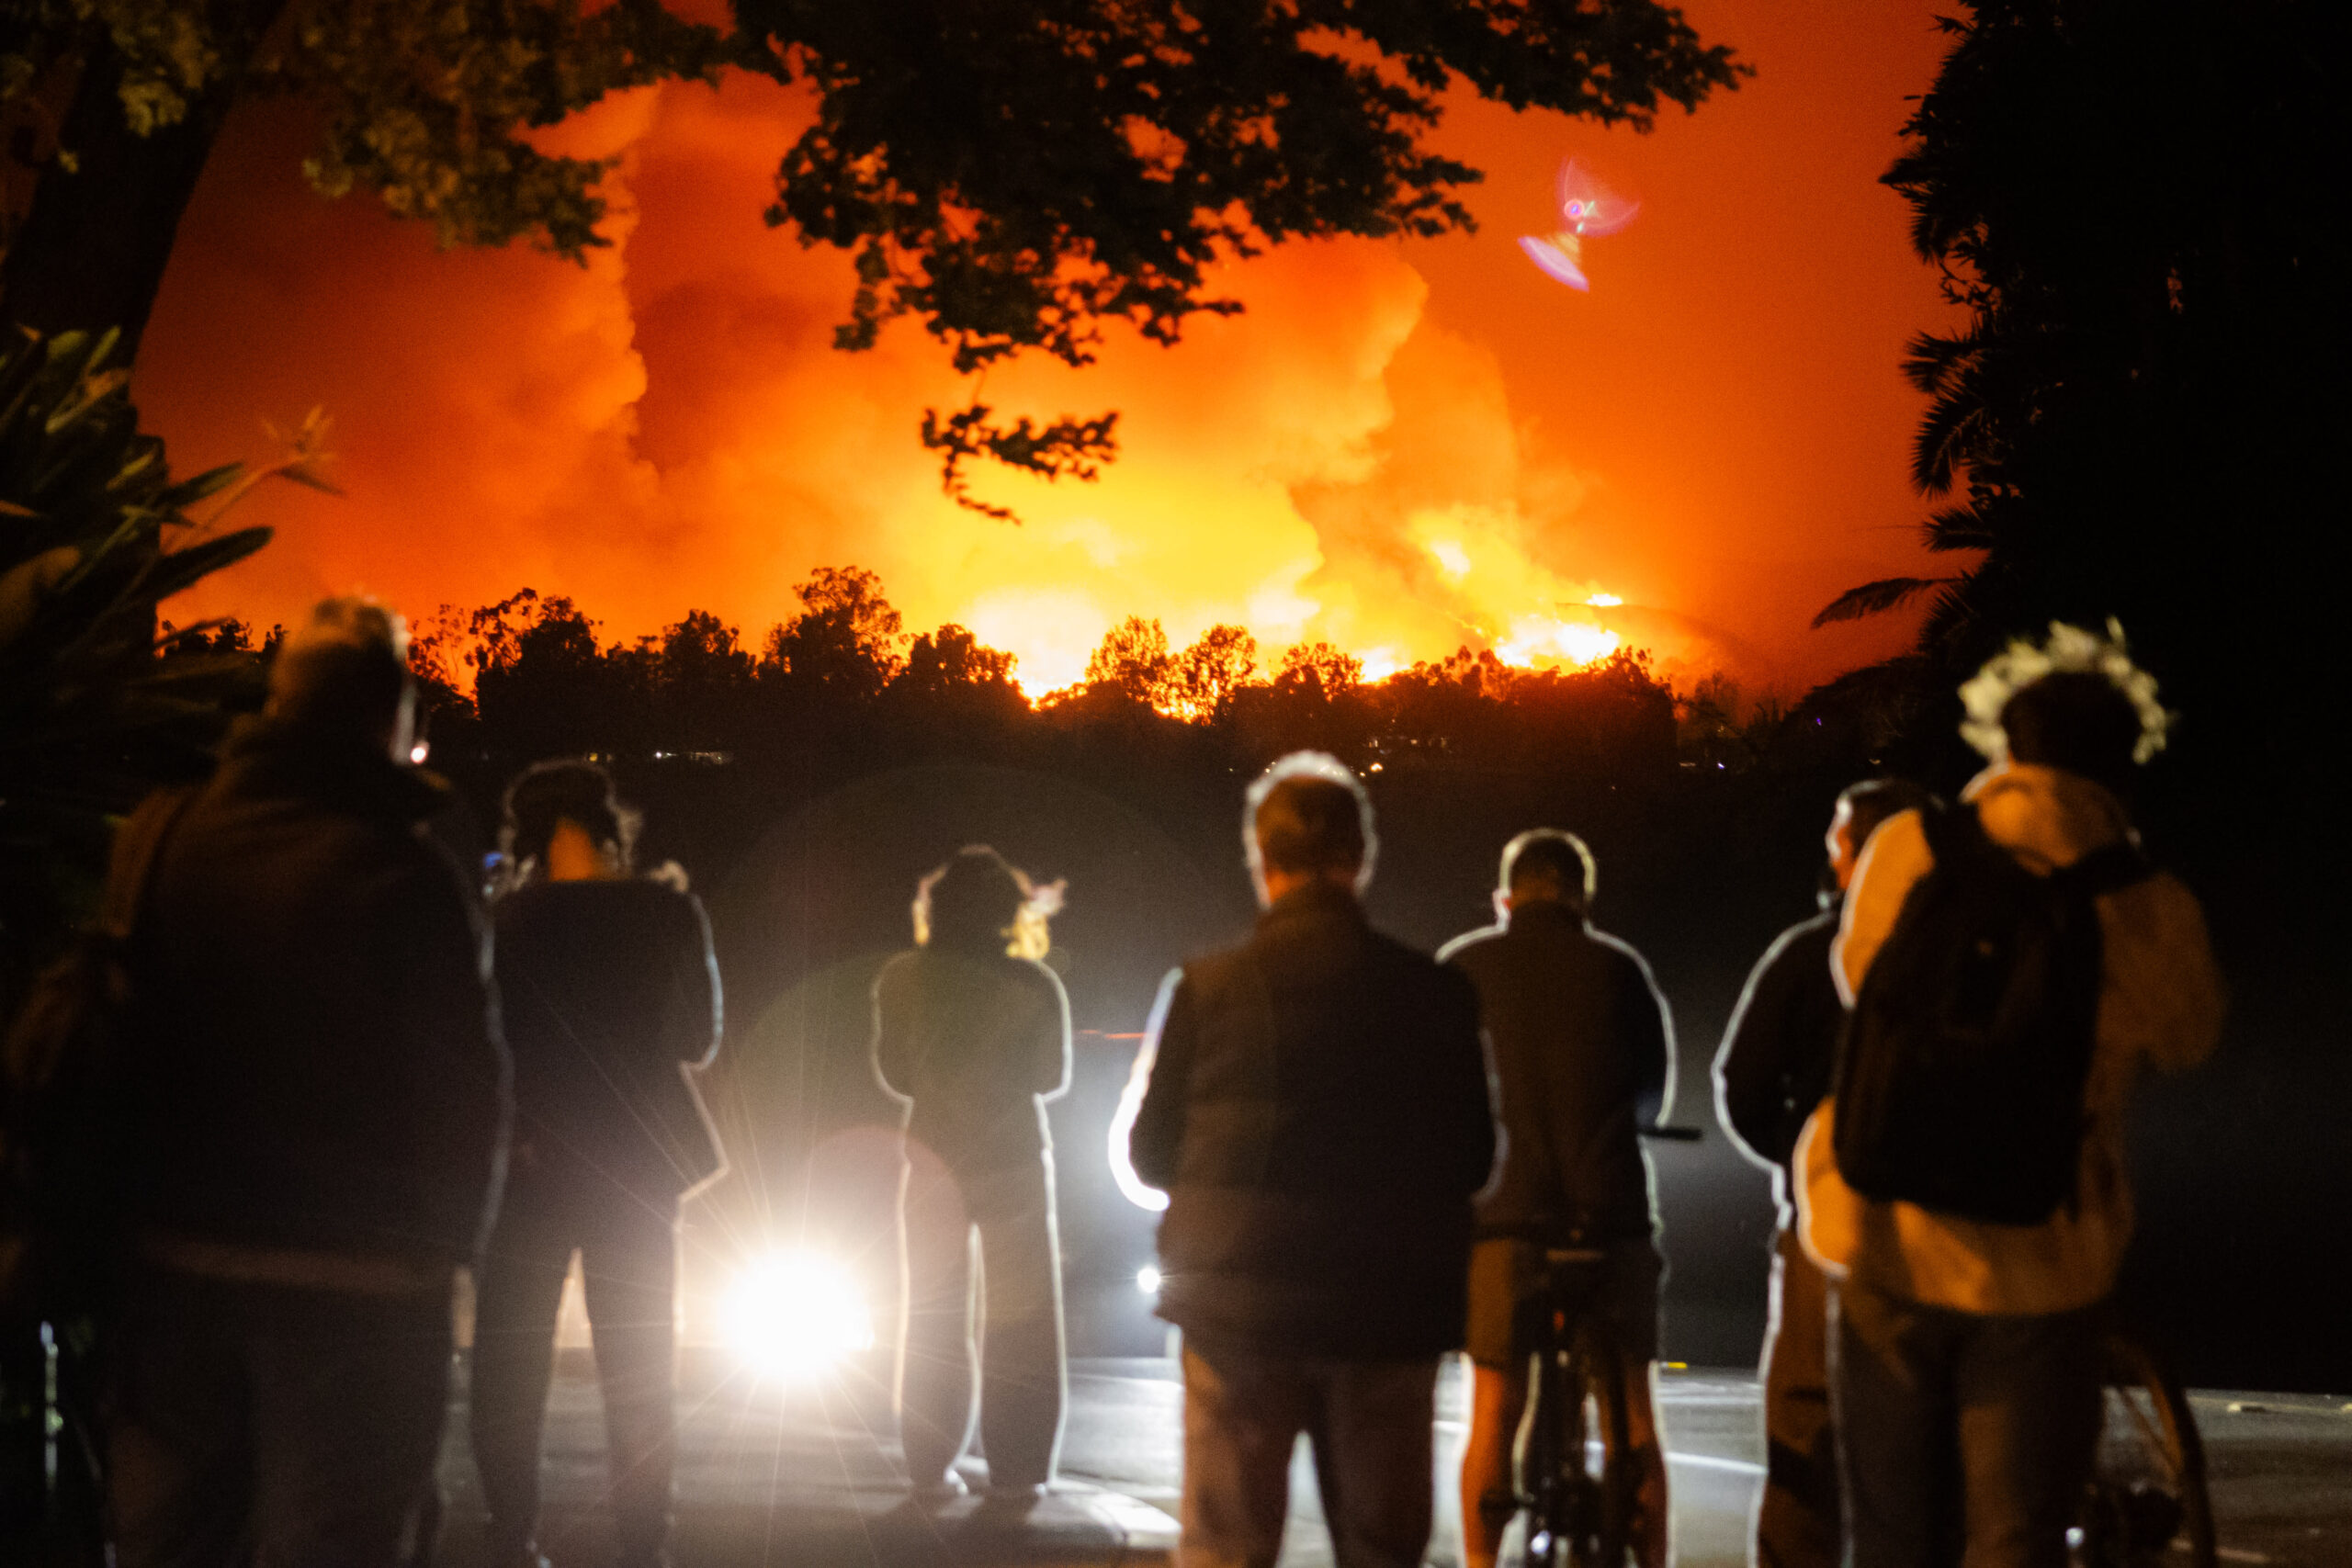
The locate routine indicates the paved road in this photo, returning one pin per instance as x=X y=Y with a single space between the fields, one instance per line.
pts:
x=810 y=1477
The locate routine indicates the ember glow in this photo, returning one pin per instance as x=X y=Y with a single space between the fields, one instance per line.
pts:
x=1399 y=448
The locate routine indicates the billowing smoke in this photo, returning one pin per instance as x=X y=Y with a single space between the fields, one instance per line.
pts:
x=669 y=428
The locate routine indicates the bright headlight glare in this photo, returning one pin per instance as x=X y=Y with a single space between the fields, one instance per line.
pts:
x=1148 y=1280
x=791 y=1315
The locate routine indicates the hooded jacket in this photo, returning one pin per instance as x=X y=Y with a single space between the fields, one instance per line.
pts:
x=974 y=1044
x=2160 y=1005
x=1315 y=1104
x=317 y=1066
x=609 y=991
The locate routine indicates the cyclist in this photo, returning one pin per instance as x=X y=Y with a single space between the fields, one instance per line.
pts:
x=1583 y=1045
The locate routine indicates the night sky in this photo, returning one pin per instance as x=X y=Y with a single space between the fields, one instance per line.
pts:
x=1716 y=433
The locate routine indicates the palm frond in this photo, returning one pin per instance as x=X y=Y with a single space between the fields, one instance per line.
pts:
x=1875 y=598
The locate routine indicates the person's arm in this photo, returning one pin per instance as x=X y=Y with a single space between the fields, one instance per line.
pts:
x=1050 y=1073
x=890 y=1025
x=1159 y=1087
x=1752 y=1067
x=439 y=954
x=1645 y=1028
x=1465 y=1109
x=694 y=1017
x=1896 y=857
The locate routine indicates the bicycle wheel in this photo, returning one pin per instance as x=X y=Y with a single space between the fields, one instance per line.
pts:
x=2147 y=1486
x=1583 y=1489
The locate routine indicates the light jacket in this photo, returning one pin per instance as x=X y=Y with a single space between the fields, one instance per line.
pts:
x=2160 y=1004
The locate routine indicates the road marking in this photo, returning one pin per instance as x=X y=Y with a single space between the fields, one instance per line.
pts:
x=1714 y=1461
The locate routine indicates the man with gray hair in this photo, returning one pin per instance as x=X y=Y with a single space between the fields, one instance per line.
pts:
x=1314 y=1103
x=316 y=1099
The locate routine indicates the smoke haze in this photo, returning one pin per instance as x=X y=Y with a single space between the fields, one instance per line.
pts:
x=1399 y=448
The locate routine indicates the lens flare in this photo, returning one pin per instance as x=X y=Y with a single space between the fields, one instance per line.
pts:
x=793 y=1315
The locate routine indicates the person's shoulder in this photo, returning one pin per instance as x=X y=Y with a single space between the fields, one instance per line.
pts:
x=1619 y=954
x=1036 y=975
x=1474 y=946
x=1807 y=940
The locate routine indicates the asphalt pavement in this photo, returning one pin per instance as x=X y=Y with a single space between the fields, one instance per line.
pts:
x=770 y=1476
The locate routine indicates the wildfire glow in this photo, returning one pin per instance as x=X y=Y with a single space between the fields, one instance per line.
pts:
x=1604 y=601
x=1451 y=556
x=1539 y=639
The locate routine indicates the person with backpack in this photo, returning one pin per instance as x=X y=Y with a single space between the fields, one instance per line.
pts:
x=315 y=1100
x=971 y=1034
x=1583 y=1044
x=611 y=996
x=1772 y=1071
x=2012 y=963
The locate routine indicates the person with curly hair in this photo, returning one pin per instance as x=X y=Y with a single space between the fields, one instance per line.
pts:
x=971 y=1034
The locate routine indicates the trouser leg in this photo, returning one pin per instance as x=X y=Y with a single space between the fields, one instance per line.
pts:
x=938 y=1362
x=178 y=1433
x=1023 y=1382
x=349 y=1396
x=518 y=1290
x=1373 y=1433
x=1891 y=1376
x=2027 y=1393
x=1797 y=1513
x=630 y=1268
x=1242 y=1417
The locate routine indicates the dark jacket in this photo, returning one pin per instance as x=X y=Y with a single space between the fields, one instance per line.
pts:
x=610 y=991
x=1581 y=1039
x=317 y=1064
x=1317 y=1110
x=1773 y=1067
x=976 y=1044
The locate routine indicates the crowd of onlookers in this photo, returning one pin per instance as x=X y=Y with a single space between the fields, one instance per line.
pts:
x=340 y=1088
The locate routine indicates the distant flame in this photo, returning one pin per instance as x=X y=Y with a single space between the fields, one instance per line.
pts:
x=1604 y=601
x=1541 y=640
x=1451 y=556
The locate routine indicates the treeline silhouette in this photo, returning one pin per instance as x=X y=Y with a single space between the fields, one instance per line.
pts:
x=842 y=681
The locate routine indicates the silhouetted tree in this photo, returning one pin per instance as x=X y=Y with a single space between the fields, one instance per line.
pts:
x=845 y=640
x=1133 y=662
x=1203 y=679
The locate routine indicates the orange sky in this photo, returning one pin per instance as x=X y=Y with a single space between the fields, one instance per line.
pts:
x=1401 y=446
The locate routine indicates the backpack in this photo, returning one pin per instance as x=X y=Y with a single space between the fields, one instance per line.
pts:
x=1960 y=1070
x=61 y=1124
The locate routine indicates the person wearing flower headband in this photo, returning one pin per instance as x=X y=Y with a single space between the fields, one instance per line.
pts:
x=1963 y=1373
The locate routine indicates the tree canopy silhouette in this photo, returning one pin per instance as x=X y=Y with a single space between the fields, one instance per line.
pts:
x=1013 y=173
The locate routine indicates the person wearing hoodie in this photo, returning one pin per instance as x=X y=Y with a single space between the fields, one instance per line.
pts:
x=317 y=1101
x=1963 y=1373
x=1772 y=1069
x=612 y=998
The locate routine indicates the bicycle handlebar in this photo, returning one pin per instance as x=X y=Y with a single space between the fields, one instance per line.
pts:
x=1673 y=1134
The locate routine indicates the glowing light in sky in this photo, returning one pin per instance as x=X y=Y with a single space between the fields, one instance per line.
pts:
x=1588 y=209
x=1604 y=601
x=1451 y=556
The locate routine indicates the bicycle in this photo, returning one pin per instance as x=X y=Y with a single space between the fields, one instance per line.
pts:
x=1578 y=1484
x=2146 y=1494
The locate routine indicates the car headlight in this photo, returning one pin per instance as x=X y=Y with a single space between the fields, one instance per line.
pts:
x=791 y=1315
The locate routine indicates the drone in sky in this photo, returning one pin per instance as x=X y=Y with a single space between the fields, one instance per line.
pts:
x=1588 y=209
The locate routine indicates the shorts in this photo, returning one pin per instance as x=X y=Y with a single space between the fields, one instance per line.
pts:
x=1507 y=1280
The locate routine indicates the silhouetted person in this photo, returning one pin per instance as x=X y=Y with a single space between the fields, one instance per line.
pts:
x=972 y=1033
x=1963 y=1365
x=1314 y=1103
x=1582 y=1045
x=318 y=1103
x=1772 y=1071
x=610 y=996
